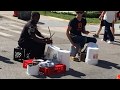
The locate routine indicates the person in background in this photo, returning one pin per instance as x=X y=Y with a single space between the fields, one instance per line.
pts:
x=109 y=17
x=100 y=28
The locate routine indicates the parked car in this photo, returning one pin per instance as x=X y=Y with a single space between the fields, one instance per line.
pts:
x=24 y=15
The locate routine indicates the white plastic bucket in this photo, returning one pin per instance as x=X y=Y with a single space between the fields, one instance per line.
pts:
x=91 y=44
x=64 y=58
x=92 y=55
x=32 y=69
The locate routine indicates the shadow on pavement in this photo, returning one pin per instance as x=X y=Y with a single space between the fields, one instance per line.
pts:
x=116 y=43
x=71 y=72
x=41 y=23
x=116 y=34
x=40 y=76
x=107 y=64
x=6 y=60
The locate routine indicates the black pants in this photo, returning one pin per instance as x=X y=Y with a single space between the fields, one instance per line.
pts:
x=36 y=49
x=82 y=40
x=107 y=32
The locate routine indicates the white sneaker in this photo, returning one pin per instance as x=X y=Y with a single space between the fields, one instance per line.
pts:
x=102 y=40
x=110 y=42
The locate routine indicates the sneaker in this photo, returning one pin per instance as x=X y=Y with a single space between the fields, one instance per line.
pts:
x=103 y=40
x=74 y=59
x=96 y=36
x=110 y=42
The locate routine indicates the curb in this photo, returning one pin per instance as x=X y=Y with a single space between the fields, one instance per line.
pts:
x=59 y=19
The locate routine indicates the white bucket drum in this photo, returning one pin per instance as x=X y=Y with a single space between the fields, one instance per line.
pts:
x=32 y=69
x=92 y=54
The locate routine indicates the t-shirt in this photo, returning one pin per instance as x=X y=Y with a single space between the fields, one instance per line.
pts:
x=110 y=16
x=28 y=30
x=77 y=26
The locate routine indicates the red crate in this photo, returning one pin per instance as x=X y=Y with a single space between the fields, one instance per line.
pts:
x=57 y=69
x=118 y=76
x=26 y=62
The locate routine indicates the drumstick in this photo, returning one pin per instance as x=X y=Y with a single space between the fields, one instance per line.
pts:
x=49 y=31
x=52 y=35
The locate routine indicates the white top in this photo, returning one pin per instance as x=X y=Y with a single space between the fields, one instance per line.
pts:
x=109 y=16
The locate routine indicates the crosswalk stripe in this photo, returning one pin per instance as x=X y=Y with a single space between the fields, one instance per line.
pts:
x=4 y=34
x=18 y=32
x=19 y=27
x=10 y=30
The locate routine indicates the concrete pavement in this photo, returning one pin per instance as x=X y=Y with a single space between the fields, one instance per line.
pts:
x=109 y=61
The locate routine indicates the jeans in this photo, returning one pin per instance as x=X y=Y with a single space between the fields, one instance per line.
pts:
x=80 y=41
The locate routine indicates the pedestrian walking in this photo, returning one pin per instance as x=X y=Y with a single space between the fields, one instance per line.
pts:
x=109 y=17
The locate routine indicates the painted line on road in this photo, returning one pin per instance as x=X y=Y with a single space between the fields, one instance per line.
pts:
x=5 y=34
x=19 y=27
x=18 y=32
x=7 y=29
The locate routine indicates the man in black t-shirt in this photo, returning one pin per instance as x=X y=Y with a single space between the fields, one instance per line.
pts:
x=74 y=32
x=32 y=40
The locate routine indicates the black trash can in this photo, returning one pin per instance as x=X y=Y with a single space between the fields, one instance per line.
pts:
x=24 y=15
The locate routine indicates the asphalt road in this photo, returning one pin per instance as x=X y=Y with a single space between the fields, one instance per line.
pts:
x=107 y=68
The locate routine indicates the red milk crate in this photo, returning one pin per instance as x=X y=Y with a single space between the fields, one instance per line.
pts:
x=26 y=62
x=118 y=76
x=57 y=69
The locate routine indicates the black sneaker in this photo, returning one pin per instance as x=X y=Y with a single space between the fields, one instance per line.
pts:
x=96 y=36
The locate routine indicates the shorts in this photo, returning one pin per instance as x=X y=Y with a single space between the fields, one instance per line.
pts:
x=102 y=23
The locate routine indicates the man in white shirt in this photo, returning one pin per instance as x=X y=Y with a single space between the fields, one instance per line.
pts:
x=109 y=17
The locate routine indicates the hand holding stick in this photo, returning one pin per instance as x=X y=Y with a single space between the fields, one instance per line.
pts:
x=51 y=35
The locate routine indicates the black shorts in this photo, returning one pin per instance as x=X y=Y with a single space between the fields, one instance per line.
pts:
x=102 y=23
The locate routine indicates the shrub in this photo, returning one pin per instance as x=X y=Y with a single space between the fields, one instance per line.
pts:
x=89 y=14
x=94 y=14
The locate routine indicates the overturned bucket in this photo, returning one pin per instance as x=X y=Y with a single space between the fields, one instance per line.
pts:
x=92 y=54
x=32 y=69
